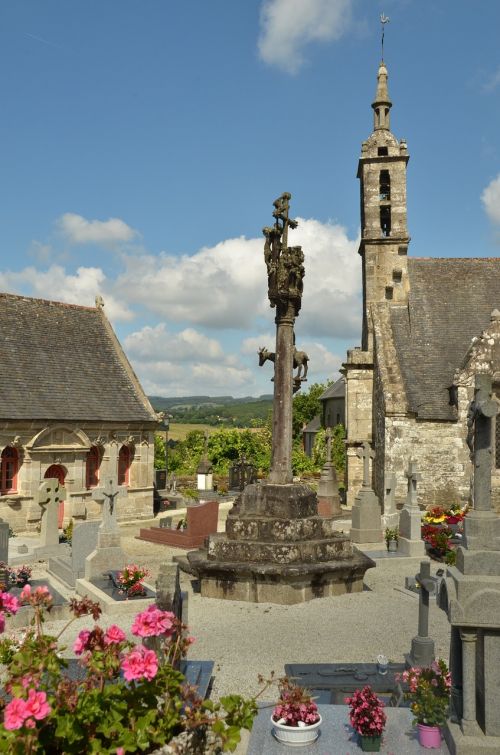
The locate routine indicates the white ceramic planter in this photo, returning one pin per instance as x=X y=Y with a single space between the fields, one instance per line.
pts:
x=296 y=736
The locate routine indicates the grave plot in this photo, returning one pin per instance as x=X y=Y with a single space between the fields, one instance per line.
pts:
x=200 y=522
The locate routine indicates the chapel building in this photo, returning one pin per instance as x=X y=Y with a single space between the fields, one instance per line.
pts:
x=429 y=324
x=71 y=407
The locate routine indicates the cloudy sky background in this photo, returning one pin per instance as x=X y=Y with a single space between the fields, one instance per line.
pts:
x=142 y=145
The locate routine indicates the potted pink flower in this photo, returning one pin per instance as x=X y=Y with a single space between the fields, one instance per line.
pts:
x=130 y=580
x=367 y=717
x=430 y=689
x=295 y=718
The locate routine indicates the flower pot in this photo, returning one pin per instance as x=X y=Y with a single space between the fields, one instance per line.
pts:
x=392 y=546
x=429 y=736
x=370 y=744
x=296 y=736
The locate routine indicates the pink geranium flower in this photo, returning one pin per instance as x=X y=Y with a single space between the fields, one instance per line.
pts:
x=37 y=705
x=113 y=635
x=25 y=593
x=80 y=643
x=15 y=713
x=153 y=622
x=9 y=602
x=140 y=663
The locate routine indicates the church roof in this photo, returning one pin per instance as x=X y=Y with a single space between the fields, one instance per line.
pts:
x=335 y=390
x=63 y=362
x=450 y=302
x=313 y=426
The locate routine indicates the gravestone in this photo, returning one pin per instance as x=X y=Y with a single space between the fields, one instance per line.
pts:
x=241 y=474
x=470 y=595
x=83 y=543
x=422 y=651
x=108 y=554
x=390 y=517
x=328 y=489
x=4 y=542
x=410 y=518
x=366 y=524
x=48 y=496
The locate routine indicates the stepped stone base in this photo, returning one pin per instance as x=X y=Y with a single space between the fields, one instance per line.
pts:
x=277 y=549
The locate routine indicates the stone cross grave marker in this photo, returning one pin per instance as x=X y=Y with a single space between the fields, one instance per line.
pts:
x=108 y=494
x=50 y=494
x=366 y=453
x=391 y=515
x=328 y=436
x=410 y=519
x=422 y=651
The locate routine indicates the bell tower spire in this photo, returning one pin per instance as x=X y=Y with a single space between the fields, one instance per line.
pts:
x=384 y=232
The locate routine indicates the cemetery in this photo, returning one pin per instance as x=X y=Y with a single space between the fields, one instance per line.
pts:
x=274 y=614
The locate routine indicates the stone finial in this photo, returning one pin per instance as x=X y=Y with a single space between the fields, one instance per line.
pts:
x=99 y=301
x=495 y=316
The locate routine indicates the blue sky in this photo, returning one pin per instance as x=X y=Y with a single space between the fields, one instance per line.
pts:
x=142 y=145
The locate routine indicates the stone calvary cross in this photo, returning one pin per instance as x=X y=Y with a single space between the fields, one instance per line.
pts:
x=366 y=453
x=107 y=495
x=49 y=495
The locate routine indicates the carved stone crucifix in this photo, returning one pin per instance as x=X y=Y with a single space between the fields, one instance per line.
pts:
x=413 y=477
x=366 y=453
x=107 y=494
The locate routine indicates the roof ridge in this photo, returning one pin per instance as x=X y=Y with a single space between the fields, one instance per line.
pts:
x=22 y=297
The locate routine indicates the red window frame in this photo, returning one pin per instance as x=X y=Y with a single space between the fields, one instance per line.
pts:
x=92 y=467
x=124 y=466
x=9 y=470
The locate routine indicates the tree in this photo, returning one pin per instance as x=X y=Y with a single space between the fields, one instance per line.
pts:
x=306 y=406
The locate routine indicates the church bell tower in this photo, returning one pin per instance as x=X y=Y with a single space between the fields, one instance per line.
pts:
x=384 y=233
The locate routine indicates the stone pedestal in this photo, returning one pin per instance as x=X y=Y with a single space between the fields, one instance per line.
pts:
x=328 y=492
x=366 y=524
x=410 y=519
x=108 y=555
x=277 y=549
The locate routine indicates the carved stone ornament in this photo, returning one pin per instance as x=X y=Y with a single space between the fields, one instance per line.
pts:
x=285 y=265
x=99 y=440
x=129 y=442
x=15 y=442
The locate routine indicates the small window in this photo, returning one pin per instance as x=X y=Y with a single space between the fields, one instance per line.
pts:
x=402 y=250
x=397 y=276
x=124 y=466
x=93 y=464
x=385 y=220
x=384 y=185
x=389 y=291
x=383 y=152
x=9 y=468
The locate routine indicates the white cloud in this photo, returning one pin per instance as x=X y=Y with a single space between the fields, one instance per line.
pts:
x=491 y=199
x=79 y=230
x=288 y=25
x=151 y=343
x=56 y=284
x=225 y=286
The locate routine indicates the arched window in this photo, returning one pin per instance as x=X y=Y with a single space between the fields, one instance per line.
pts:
x=124 y=466
x=385 y=185
x=9 y=467
x=93 y=463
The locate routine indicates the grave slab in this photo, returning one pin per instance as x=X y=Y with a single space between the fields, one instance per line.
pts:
x=113 y=603
x=83 y=543
x=202 y=521
x=337 y=737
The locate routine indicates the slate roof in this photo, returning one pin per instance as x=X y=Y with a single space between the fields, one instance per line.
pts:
x=63 y=362
x=336 y=390
x=450 y=301
x=313 y=426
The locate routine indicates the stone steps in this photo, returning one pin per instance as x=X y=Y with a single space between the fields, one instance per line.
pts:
x=221 y=548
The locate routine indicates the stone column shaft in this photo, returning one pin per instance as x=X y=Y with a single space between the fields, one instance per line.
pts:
x=281 y=470
x=469 y=679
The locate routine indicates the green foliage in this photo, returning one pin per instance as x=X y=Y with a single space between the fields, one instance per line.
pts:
x=224 y=447
x=306 y=406
x=338 y=449
x=159 y=451
x=301 y=462
x=221 y=411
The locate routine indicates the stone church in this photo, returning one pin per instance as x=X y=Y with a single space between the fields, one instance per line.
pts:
x=429 y=324
x=71 y=408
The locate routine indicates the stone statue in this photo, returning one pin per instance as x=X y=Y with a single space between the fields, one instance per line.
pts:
x=300 y=361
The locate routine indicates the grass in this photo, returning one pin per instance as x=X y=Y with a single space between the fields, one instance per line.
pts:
x=178 y=431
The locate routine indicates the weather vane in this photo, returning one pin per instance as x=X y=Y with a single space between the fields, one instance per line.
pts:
x=383 y=20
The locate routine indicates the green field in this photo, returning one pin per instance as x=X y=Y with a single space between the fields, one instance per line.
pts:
x=178 y=430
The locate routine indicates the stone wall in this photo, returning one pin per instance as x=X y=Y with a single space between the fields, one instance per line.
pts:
x=39 y=446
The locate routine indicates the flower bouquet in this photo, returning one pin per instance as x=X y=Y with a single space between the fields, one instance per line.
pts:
x=130 y=579
x=430 y=697
x=295 y=717
x=367 y=717
x=20 y=576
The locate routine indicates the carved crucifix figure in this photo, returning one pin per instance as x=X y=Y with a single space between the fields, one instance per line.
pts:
x=107 y=495
x=413 y=477
x=366 y=453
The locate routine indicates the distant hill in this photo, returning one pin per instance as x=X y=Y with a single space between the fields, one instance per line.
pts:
x=215 y=410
